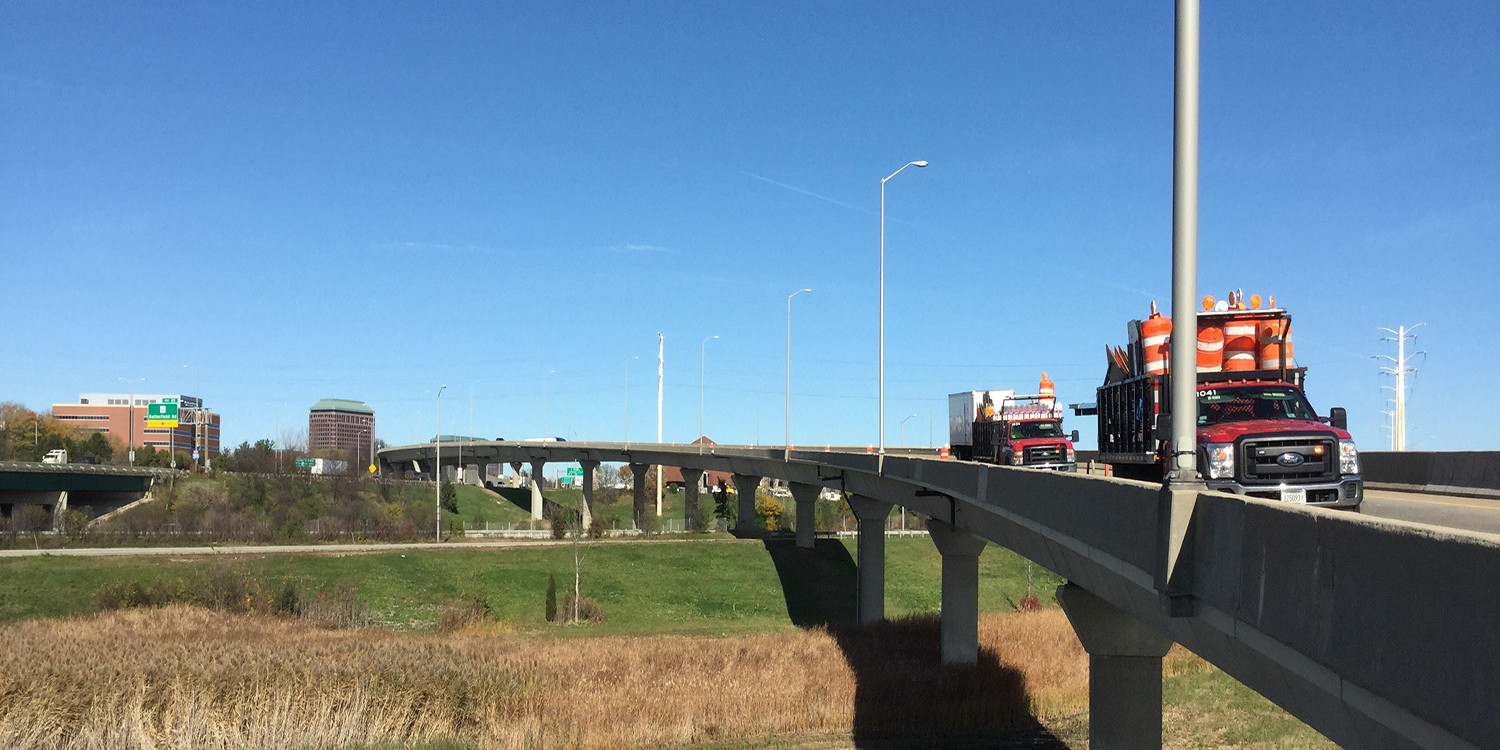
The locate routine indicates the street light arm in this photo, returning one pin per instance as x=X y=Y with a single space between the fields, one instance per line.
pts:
x=918 y=163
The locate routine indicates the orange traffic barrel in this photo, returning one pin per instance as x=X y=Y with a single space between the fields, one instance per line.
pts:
x=1210 y=348
x=1273 y=334
x=1156 y=336
x=1239 y=345
x=1046 y=387
x=943 y=452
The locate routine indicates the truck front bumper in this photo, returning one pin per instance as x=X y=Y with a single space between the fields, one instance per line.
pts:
x=1068 y=466
x=1347 y=492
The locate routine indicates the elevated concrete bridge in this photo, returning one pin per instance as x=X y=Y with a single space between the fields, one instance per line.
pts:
x=1376 y=633
x=56 y=487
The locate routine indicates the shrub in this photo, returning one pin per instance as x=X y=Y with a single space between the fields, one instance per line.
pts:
x=705 y=517
x=551 y=610
x=288 y=599
x=650 y=524
x=768 y=512
x=597 y=527
x=588 y=610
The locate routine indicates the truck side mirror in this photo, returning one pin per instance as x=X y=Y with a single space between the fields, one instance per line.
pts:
x=1073 y=438
x=1338 y=418
x=1164 y=427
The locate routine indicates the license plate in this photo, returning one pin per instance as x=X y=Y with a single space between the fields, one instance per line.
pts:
x=1294 y=496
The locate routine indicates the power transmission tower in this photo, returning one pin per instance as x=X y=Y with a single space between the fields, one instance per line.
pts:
x=1400 y=368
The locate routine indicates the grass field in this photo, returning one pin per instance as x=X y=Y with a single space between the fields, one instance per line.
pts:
x=707 y=644
x=710 y=586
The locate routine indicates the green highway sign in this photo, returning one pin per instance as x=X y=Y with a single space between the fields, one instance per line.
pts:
x=308 y=462
x=163 y=414
x=575 y=472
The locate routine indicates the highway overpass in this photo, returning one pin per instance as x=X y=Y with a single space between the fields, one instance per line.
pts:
x=1377 y=633
x=57 y=487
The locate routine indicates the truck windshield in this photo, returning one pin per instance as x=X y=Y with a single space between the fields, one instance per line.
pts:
x=1027 y=430
x=1248 y=402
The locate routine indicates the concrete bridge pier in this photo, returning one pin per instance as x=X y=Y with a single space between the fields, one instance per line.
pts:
x=536 y=488
x=1124 y=670
x=480 y=469
x=806 y=497
x=744 y=488
x=586 y=510
x=515 y=471
x=960 y=618
x=870 y=558
x=59 y=510
x=692 y=479
x=638 y=496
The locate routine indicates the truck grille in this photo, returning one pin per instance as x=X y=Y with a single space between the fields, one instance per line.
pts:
x=1044 y=454
x=1264 y=463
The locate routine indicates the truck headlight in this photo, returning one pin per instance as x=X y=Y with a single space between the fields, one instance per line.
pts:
x=1348 y=457
x=1070 y=453
x=1220 y=460
x=1017 y=458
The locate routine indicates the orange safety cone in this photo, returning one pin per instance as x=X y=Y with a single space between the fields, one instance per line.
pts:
x=827 y=448
x=869 y=449
x=943 y=452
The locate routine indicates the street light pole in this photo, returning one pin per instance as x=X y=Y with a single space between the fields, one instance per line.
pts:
x=130 y=416
x=918 y=164
x=901 y=431
x=546 y=385
x=789 y=365
x=702 y=376
x=627 y=400
x=437 y=469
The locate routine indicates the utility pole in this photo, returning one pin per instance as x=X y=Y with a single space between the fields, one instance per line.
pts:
x=1399 y=369
x=660 y=350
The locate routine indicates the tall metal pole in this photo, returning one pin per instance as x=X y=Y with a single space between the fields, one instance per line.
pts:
x=789 y=364
x=1400 y=369
x=660 y=350
x=702 y=377
x=437 y=468
x=627 y=400
x=882 y=296
x=1183 y=468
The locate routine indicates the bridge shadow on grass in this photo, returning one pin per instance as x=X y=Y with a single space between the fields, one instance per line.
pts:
x=517 y=496
x=904 y=699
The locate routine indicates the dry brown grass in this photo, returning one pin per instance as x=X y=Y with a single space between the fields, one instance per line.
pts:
x=182 y=677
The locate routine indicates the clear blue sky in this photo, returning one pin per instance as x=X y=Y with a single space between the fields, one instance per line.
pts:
x=369 y=200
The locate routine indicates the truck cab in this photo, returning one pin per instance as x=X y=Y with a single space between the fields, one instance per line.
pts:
x=1262 y=438
x=56 y=456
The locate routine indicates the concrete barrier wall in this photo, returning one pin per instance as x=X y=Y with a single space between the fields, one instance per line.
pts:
x=1406 y=611
x=1468 y=473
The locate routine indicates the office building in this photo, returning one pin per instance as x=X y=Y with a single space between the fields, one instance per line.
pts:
x=113 y=414
x=342 y=426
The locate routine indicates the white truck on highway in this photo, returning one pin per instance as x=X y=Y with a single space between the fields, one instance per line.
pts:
x=59 y=456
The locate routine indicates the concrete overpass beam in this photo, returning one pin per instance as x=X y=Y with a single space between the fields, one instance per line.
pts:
x=1124 y=671
x=537 y=465
x=692 y=480
x=870 y=596
x=638 y=479
x=586 y=511
x=806 y=497
x=960 y=618
x=744 y=487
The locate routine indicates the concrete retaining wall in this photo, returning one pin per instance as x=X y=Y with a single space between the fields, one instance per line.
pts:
x=1467 y=473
